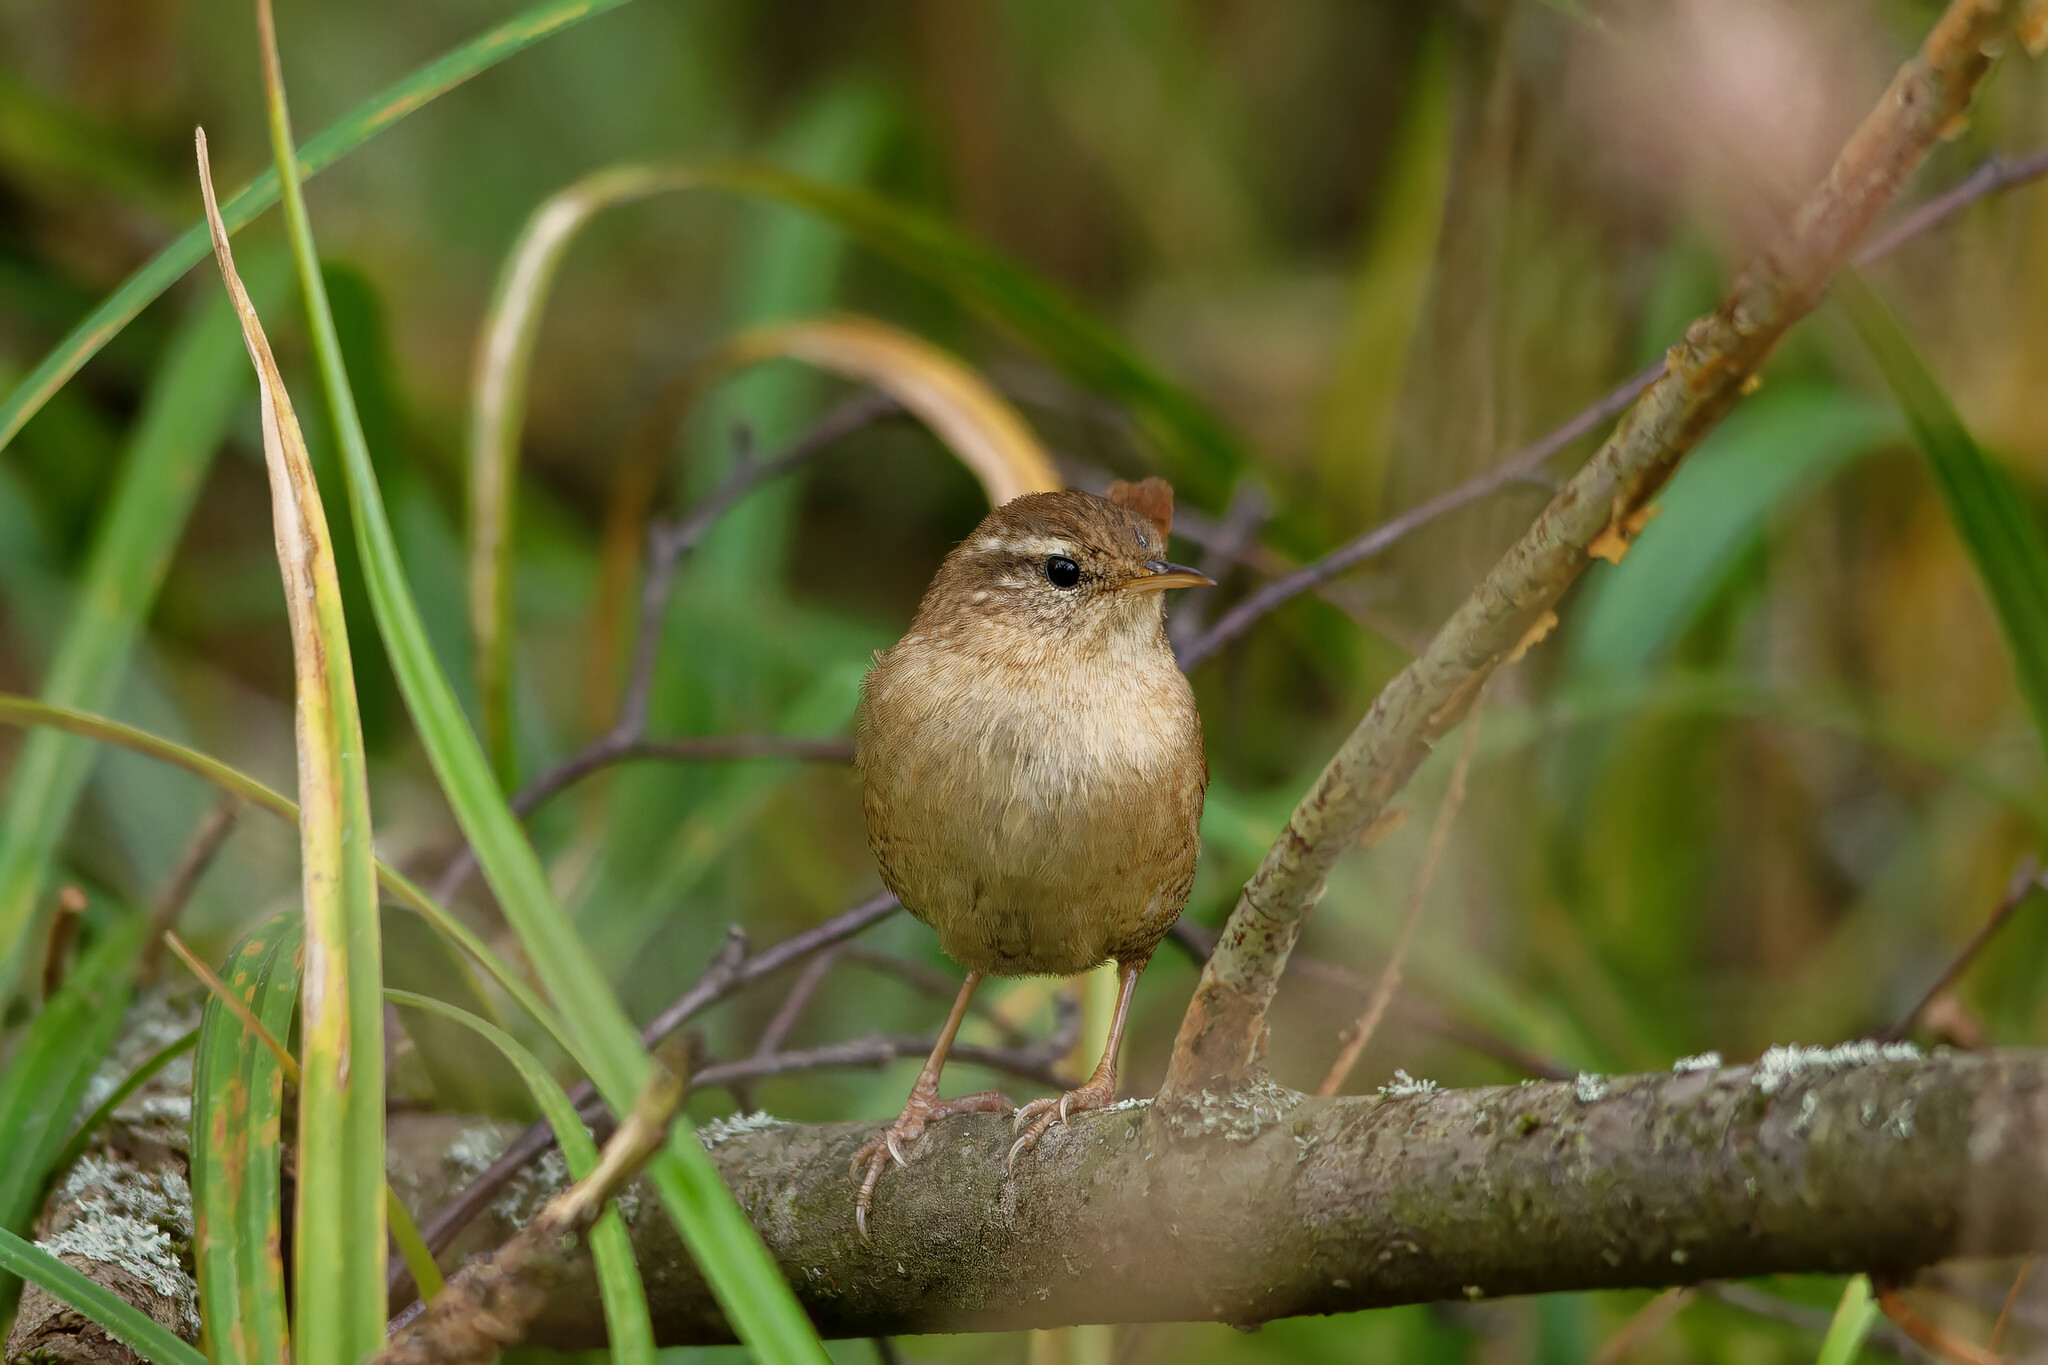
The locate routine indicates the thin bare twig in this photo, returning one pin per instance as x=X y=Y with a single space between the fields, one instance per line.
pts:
x=1383 y=990
x=727 y=972
x=2027 y=878
x=1993 y=176
x=1038 y=1062
x=1944 y=1344
x=1233 y=536
x=205 y=844
x=667 y=544
x=936 y=984
x=792 y=1007
x=1198 y=943
x=2012 y=1297
x=1647 y=1321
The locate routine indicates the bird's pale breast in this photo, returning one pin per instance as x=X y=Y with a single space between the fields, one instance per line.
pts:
x=1041 y=815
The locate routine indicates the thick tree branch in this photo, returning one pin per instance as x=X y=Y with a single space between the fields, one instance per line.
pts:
x=1264 y=1203
x=1599 y=511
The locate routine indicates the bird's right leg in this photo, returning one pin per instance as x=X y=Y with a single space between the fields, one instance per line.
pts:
x=923 y=1106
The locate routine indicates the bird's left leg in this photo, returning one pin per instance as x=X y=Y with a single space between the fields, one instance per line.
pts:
x=1100 y=1090
x=923 y=1107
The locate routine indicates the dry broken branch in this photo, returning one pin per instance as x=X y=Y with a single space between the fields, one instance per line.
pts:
x=1602 y=508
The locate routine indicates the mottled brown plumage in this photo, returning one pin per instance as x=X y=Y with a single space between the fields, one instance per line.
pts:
x=1033 y=764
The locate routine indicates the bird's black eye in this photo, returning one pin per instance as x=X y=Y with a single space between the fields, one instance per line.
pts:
x=1062 y=572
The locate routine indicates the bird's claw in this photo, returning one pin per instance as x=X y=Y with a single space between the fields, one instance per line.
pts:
x=1035 y=1119
x=899 y=1140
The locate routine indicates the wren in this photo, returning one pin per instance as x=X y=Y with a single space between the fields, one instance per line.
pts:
x=1033 y=770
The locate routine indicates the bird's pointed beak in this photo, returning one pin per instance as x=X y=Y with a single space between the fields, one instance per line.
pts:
x=1165 y=575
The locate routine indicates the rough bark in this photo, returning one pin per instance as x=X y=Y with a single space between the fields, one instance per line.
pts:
x=1265 y=1203
x=1597 y=514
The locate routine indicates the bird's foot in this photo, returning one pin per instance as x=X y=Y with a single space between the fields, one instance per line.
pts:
x=900 y=1138
x=1042 y=1114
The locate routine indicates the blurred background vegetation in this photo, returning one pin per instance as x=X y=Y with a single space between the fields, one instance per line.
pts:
x=1757 y=788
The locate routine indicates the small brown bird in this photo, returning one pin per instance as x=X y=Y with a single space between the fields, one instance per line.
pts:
x=1034 y=771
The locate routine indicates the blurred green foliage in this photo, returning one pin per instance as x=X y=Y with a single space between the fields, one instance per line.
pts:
x=1768 y=775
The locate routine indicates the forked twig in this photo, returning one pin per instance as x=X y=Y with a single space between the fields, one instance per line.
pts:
x=668 y=542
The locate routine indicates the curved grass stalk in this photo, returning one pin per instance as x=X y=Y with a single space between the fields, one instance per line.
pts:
x=332 y=143
x=28 y=713
x=1201 y=456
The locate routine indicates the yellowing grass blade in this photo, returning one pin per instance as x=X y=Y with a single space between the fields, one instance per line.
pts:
x=237 y=1107
x=1200 y=455
x=504 y=358
x=338 y=1252
x=976 y=423
x=744 y=1277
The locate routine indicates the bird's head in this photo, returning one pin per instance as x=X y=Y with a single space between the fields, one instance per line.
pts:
x=1063 y=564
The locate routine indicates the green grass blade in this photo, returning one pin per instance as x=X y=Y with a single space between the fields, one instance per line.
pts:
x=2002 y=536
x=419 y=1258
x=1772 y=450
x=468 y=1075
x=742 y=1275
x=123 y=1320
x=134 y=1081
x=197 y=389
x=332 y=143
x=1854 y=1316
x=43 y=1082
x=237 y=1109
x=627 y=1325
x=339 y=1228
x=27 y=712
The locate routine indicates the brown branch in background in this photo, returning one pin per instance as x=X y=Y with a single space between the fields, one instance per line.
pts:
x=939 y=986
x=1227 y=544
x=489 y=1303
x=1605 y=503
x=1944 y=1345
x=1198 y=943
x=71 y=907
x=1992 y=176
x=200 y=851
x=792 y=1007
x=1814 y=1321
x=2027 y=878
x=1038 y=1063
x=2012 y=1296
x=668 y=542
x=730 y=970
x=1647 y=1321
x=1360 y=1033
